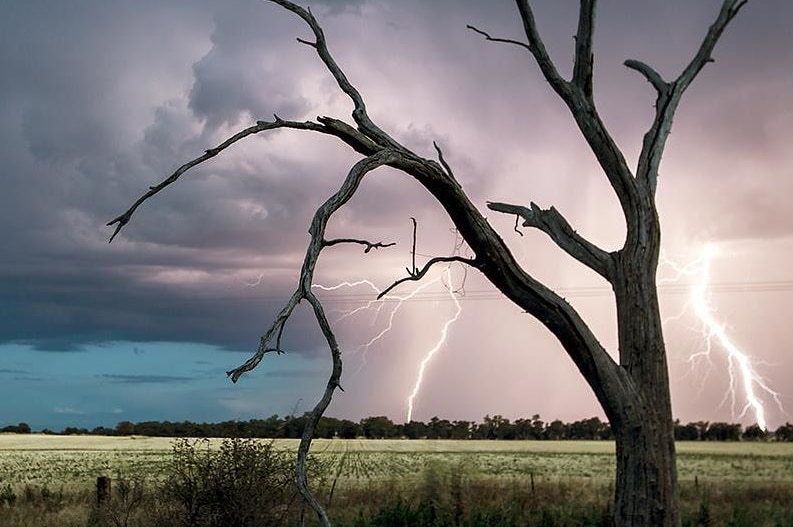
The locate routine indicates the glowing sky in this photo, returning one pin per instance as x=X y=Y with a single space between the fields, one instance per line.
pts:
x=98 y=100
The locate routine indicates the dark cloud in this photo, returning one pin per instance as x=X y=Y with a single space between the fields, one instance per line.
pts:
x=293 y=373
x=30 y=379
x=146 y=379
x=98 y=101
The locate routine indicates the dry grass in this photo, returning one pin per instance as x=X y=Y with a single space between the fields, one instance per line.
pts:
x=75 y=460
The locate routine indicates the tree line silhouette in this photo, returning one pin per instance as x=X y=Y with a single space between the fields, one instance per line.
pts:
x=496 y=427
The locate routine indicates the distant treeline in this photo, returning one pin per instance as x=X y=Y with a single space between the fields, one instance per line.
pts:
x=381 y=427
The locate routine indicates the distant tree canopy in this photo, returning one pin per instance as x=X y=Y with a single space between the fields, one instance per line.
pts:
x=21 y=428
x=494 y=427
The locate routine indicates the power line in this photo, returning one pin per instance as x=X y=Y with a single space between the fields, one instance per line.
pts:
x=572 y=292
x=338 y=297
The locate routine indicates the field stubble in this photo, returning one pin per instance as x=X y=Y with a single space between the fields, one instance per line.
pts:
x=75 y=460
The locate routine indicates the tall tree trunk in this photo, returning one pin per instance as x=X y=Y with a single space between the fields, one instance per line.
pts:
x=646 y=482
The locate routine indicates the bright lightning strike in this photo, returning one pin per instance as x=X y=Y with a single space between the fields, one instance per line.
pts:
x=431 y=353
x=740 y=368
x=399 y=301
x=378 y=304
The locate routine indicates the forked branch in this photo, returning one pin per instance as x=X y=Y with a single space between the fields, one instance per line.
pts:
x=420 y=273
x=669 y=95
x=359 y=114
x=584 y=57
x=577 y=95
x=369 y=245
x=551 y=222
x=303 y=292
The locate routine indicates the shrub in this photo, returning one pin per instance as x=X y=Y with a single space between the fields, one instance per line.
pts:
x=244 y=483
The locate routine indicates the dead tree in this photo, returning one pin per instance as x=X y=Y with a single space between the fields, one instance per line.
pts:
x=633 y=391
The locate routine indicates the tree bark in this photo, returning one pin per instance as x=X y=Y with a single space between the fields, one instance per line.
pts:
x=646 y=479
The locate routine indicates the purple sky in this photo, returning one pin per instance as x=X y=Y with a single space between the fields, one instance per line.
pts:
x=98 y=100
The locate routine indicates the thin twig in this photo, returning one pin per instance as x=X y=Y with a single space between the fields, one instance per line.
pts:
x=442 y=160
x=423 y=271
x=412 y=271
x=260 y=126
x=369 y=245
x=496 y=39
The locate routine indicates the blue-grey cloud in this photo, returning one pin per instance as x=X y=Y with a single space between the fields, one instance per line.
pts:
x=100 y=100
x=146 y=379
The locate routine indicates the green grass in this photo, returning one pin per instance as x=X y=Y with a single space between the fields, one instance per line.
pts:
x=74 y=460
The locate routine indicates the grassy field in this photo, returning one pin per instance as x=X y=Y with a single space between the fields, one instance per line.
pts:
x=376 y=483
x=74 y=460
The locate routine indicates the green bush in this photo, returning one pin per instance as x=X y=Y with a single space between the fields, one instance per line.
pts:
x=244 y=483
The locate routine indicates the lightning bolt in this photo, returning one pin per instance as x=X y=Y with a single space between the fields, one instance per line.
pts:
x=431 y=353
x=739 y=363
x=398 y=302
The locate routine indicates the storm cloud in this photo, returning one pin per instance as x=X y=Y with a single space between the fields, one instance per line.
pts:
x=100 y=100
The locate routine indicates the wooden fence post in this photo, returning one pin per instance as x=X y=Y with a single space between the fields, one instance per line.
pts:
x=102 y=490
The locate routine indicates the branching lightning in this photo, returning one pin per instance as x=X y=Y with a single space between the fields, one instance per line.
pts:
x=431 y=353
x=398 y=301
x=739 y=363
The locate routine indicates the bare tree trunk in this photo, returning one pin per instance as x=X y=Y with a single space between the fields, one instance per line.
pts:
x=646 y=481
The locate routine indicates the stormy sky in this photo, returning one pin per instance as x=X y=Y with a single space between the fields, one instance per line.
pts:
x=99 y=100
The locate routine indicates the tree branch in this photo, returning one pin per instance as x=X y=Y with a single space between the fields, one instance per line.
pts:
x=420 y=273
x=577 y=95
x=443 y=162
x=495 y=39
x=260 y=126
x=359 y=114
x=319 y=409
x=303 y=291
x=537 y=49
x=551 y=222
x=727 y=12
x=660 y=85
x=584 y=58
x=669 y=95
x=369 y=245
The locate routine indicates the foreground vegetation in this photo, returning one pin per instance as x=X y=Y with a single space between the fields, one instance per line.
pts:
x=48 y=480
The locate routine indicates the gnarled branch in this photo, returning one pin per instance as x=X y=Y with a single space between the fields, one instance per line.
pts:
x=420 y=273
x=577 y=95
x=260 y=126
x=369 y=245
x=537 y=49
x=359 y=114
x=303 y=291
x=660 y=85
x=584 y=58
x=551 y=222
x=496 y=39
x=443 y=162
x=669 y=95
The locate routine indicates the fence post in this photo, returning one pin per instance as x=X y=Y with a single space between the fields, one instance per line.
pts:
x=102 y=490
